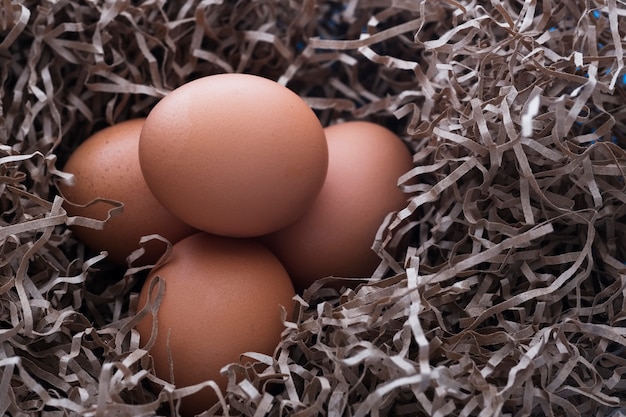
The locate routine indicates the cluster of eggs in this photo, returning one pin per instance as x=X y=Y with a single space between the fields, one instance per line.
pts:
x=258 y=199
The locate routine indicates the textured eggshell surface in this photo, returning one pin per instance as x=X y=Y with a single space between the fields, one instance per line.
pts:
x=234 y=154
x=334 y=238
x=222 y=298
x=106 y=165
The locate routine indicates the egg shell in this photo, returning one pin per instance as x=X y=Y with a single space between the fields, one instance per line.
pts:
x=106 y=165
x=334 y=238
x=234 y=154
x=223 y=297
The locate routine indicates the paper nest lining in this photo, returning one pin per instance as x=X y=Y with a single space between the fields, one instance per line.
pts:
x=501 y=284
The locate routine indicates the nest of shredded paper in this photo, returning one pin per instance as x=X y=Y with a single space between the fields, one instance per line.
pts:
x=501 y=284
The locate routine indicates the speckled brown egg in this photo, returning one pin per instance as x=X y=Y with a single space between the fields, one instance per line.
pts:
x=106 y=165
x=223 y=298
x=234 y=154
x=335 y=236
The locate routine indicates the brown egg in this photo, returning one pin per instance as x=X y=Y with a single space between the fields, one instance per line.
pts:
x=234 y=154
x=335 y=236
x=106 y=165
x=223 y=298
